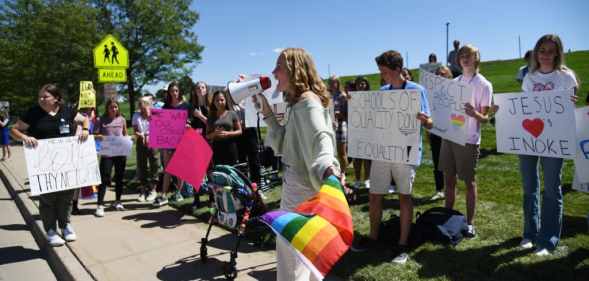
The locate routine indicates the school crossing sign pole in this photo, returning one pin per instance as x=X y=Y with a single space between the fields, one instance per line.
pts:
x=112 y=60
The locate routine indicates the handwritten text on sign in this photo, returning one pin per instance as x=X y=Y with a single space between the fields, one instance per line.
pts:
x=382 y=125
x=538 y=124
x=166 y=127
x=62 y=163
x=446 y=101
x=581 y=181
x=87 y=95
x=116 y=146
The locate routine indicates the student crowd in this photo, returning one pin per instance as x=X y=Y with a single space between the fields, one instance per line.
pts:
x=312 y=143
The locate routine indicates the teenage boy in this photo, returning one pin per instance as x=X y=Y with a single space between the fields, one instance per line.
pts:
x=461 y=160
x=390 y=65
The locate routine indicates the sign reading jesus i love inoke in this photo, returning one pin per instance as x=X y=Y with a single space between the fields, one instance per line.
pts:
x=536 y=123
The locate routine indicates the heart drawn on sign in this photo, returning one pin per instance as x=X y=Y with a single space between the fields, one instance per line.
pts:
x=534 y=126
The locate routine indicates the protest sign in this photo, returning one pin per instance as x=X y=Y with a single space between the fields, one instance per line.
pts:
x=537 y=124
x=429 y=67
x=446 y=100
x=87 y=95
x=4 y=106
x=116 y=146
x=166 y=127
x=383 y=125
x=62 y=163
x=581 y=181
x=191 y=159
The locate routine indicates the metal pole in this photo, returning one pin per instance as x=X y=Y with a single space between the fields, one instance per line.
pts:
x=328 y=70
x=447 y=38
x=519 y=45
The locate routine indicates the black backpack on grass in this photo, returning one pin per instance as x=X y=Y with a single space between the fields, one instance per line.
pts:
x=440 y=225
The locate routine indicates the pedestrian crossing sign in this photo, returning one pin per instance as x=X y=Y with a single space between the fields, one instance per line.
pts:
x=110 y=53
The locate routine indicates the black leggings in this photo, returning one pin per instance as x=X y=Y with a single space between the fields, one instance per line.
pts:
x=106 y=164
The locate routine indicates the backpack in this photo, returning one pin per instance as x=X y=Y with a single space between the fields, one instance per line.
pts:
x=441 y=225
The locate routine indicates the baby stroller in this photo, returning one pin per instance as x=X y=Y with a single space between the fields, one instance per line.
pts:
x=235 y=201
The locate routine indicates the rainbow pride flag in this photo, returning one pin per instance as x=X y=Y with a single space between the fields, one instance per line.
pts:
x=320 y=231
x=457 y=120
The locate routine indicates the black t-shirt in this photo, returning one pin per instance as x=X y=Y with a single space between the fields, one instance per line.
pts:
x=196 y=123
x=44 y=126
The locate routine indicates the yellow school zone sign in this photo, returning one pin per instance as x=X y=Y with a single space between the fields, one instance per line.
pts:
x=112 y=60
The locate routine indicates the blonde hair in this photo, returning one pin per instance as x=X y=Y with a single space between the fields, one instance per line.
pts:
x=303 y=75
x=469 y=49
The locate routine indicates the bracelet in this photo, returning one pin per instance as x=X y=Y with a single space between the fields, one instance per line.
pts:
x=84 y=129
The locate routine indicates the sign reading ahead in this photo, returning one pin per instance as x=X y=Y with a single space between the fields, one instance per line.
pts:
x=540 y=124
x=383 y=125
x=112 y=59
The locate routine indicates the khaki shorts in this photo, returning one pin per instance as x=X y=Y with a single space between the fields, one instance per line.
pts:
x=459 y=160
x=381 y=174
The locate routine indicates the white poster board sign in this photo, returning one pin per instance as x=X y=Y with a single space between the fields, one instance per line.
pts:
x=116 y=146
x=446 y=100
x=581 y=181
x=251 y=114
x=383 y=125
x=62 y=163
x=539 y=124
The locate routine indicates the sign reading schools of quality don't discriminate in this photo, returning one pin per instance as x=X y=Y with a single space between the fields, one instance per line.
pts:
x=383 y=125
x=540 y=124
x=62 y=163
x=112 y=60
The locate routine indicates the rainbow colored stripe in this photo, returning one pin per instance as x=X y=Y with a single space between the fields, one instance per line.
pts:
x=457 y=120
x=321 y=229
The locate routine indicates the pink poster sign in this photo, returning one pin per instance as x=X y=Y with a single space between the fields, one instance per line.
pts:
x=191 y=159
x=166 y=127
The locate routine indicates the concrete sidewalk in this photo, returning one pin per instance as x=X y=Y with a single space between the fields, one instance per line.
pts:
x=140 y=243
x=20 y=257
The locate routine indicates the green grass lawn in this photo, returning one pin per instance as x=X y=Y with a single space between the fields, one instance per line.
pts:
x=493 y=254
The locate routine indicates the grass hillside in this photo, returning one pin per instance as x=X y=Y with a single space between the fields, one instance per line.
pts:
x=502 y=73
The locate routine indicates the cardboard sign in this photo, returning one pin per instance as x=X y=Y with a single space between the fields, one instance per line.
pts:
x=446 y=100
x=4 y=106
x=539 y=124
x=87 y=95
x=383 y=125
x=581 y=181
x=62 y=163
x=116 y=146
x=191 y=159
x=166 y=127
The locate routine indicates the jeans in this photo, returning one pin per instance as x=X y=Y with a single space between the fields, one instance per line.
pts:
x=106 y=164
x=147 y=165
x=542 y=226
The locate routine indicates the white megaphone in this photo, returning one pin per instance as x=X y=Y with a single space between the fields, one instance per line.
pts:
x=245 y=89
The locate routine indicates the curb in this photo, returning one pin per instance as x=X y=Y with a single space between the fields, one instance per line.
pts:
x=62 y=260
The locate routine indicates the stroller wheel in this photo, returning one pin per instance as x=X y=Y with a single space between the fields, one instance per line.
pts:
x=203 y=253
x=230 y=271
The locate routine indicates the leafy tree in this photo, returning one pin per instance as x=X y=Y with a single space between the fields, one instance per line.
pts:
x=45 y=42
x=157 y=35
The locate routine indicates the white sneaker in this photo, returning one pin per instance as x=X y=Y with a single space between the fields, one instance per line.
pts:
x=401 y=258
x=99 y=211
x=68 y=233
x=438 y=195
x=151 y=196
x=526 y=244
x=141 y=197
x=367 y=184
x=119 y=206
x=54 y=239
x=392 y=189
x=542 y=252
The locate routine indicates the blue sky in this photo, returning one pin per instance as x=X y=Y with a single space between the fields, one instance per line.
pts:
x=345 y=36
